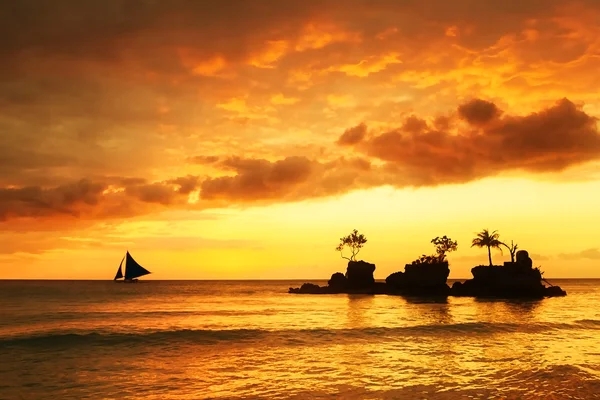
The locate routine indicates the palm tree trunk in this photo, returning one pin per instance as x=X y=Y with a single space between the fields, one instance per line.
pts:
x=490 y=255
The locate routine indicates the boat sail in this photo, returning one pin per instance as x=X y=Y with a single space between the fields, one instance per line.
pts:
x=133 y=270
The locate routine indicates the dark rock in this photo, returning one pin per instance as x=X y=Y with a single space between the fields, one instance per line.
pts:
x=357 y=280
x=395 y=280
x=309 y=288
x=428 y=279
x=338 y=281
x=380 y=288
x=420 y=279
x=359 y=275
x=555 y=291
x=522 y=258
x=426 y=275
x=512 y=280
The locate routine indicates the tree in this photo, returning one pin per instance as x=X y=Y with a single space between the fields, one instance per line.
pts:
x=512 y=249
x=354 y=242
x=489 y=240
x=444 y=245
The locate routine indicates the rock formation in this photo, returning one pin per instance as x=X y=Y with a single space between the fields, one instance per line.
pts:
x=420 y=279
x=338 y=282
x=518 y=279
x=359 y=275
x=358 y=279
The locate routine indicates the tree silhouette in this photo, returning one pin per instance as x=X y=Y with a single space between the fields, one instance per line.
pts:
x=354 y=242
x=444 y=245
x=489 y=240
x=512 y=249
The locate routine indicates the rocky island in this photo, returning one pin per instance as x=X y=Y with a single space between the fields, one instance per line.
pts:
x=513 y=279
x=427 y=276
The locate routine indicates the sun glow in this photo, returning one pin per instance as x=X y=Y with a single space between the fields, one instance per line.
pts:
x=236 y=146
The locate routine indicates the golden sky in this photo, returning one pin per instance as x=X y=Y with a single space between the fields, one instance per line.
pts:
x=235 y=139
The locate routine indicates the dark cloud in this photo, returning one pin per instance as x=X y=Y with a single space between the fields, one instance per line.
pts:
x=152 y=193
x=353 y=135
x=257 y=179
x=38 y=202
x=153 y=33
x=106 y=198
x=187 y=184
x=478 y=112
x=414 y=125
x=550 y=140
x=289 y=179
x=114 y=31
x=169 y=192
x=203 y=159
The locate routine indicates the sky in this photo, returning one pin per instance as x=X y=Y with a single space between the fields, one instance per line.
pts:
x=240 y=139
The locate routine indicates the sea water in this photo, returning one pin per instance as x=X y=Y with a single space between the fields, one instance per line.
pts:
x=251 y=339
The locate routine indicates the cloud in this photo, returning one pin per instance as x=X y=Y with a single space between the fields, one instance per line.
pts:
x=591 y=254
x=108 y=198
x=203 y=159
x=99 y=90
x=353 y=135
x=187 y=184
x=478 y=112
x=37 y=202
x=549 y=140
x=289 y=179
x=257 y=179
x=538 y=257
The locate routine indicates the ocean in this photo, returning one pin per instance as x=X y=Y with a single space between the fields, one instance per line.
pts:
x=251 y=339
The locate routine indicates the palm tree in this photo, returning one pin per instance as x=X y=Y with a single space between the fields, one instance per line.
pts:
x=489 y=240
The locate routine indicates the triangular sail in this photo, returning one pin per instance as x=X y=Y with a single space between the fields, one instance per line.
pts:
x=120 y=270
x=133 y=269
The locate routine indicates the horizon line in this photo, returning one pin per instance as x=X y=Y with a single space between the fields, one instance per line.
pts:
x=246 y=279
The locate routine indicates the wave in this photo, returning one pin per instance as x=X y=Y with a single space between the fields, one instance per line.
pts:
x=591 y=323
x=288 y=336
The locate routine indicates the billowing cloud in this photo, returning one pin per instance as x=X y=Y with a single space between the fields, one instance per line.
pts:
x=288 y=179
x=257 y=179
x=478 y=112
x=353 y=135
x=109 y=198
x=550 y=140
x=38 y=202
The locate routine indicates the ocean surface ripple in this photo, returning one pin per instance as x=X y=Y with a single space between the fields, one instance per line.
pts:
x=250 y=339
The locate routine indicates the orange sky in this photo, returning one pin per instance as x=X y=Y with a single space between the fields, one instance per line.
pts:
x=239 y=139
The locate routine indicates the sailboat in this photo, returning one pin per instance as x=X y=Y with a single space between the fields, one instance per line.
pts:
x=133 y=270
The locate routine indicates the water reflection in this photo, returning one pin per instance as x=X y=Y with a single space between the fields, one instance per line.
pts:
x=359 y=311
x=506 y=310
x=429 y=310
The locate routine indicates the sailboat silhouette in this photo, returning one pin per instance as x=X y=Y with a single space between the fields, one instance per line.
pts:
x=133 y=270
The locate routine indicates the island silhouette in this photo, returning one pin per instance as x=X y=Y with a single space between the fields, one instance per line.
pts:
x=428 y=274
